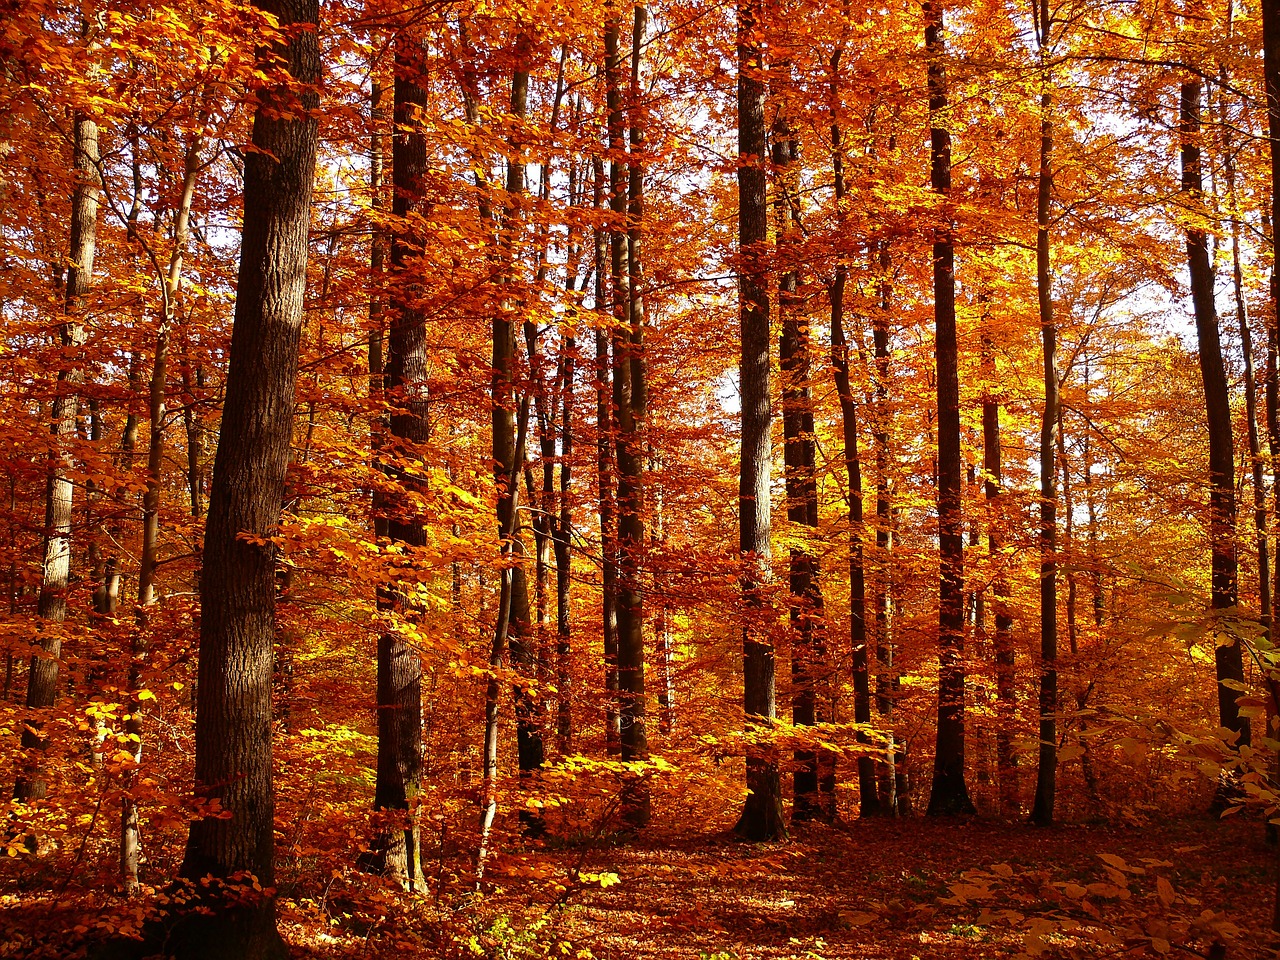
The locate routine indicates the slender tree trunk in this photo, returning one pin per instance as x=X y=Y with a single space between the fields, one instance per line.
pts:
x=1047 y=762
x=605 y=484
x=895 y=796
x=1228 y=658
x=627 y=202
x=395 y=847
x=1271 y=83
x=762 y=814
x=55 y=569
x=508 y=456
x=809 y=671
x=233 y=728
x=1003 y=647
x=950 y=794
x=563 y=554
x=1256 y=458
x=661 y=625
x=868 y=797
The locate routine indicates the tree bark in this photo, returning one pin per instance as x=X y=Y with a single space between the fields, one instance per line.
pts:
x=1047 y=761
x=762 y=814
x=626 y=200
x=395 y=848
x=233 y=728
x=950 y=794
x=55 y=568
x=1228 y=658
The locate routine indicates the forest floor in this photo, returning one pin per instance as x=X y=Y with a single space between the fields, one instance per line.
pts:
x=912 y=889
x=881 y=889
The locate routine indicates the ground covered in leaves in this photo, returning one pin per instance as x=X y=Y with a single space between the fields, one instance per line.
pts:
x=889 y=889
x=873 y=889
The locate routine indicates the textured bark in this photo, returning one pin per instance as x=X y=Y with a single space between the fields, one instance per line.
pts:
x=605 y=484
x=762 y=815
x=950 y=794
x=630 y=402
x=395 y=848
x=563 y=554
x=233 y=728
x=1047 y=761
x=55 y=570
x=1229 y=661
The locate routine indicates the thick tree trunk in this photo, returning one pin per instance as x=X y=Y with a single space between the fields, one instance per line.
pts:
x=950 y=794
x=55 y=569
x=762 y=815
x=233 y=728
x=1229 y=660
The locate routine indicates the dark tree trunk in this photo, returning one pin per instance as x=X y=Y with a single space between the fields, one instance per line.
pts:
x=395 y=849
x=629 y=401
x=1003 y=645
x=233 y=727
x=762 y=815
x=950 y=794
x=509 y=455
x=605 y=483
x=894 y=792
x=1228 y=658
x=809 y=671
x=564 y=556
x=1047 y=762
x=1271 y=83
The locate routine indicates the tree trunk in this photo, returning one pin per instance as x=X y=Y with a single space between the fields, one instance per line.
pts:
x=1003 y=646
x=868 y=796
x=762 y=814
x=1047 y=762
x=1229 y=660
x=395 y=848
x=950 y=794
x=55 y=570
x=233 y=728
x=605 y=485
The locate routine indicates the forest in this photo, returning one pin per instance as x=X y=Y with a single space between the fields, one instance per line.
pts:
x=647 y=479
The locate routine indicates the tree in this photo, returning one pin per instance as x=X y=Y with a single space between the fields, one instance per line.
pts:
x=237 y=627
x=950 y=794
x=55 y=568
x=395 y=850
x=762 y=815
x=1228 y=657
x=1046 y=769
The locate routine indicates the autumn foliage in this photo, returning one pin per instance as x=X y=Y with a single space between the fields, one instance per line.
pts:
x=548 y=440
